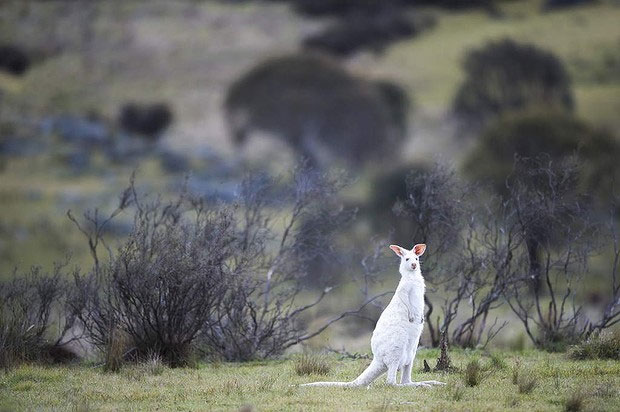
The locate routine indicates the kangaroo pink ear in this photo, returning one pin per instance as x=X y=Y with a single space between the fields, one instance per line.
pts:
x=397 y=249
x=419 y=249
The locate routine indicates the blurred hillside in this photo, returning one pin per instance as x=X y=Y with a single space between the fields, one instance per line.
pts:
x=89 y=59
x=95 y=56
x=93 y=91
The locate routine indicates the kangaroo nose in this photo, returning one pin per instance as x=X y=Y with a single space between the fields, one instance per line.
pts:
x=413 y=265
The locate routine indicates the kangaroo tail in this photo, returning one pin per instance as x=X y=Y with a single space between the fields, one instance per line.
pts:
x=370 y=374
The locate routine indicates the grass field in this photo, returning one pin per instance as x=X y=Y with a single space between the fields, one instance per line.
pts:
x=271 y=385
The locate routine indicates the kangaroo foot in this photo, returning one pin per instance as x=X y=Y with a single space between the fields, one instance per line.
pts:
x=422 y=384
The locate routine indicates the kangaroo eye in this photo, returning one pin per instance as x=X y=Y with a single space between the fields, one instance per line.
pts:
x=407 y=259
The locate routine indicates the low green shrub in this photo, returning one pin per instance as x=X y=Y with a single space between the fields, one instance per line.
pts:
x=603 y=345
x=506 y=75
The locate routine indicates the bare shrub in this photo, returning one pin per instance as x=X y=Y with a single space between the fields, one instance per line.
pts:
x=34 y=325
x=529 y=247
x=222 y=278
x=159 y=288
x=446 y=213
x=610 y=315
x=435 y=206
x=556 y=232
x=312 y=364
x=550 y=228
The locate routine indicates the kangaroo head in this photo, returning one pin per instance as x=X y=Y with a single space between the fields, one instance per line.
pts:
x=409 y=259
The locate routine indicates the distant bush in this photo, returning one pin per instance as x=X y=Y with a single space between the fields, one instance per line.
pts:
x=556 y=4
x=388 y=196
x=149 y=120
x=347 y=7
x=367 y=31
x=13 y=60
x=555 y=135
x=506 y=75
x=398 y=102
x=319 y=109
x=29 y=331
x=603 y=345
x=339 y=7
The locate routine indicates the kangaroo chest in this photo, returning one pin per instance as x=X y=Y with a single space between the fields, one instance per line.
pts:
x=410 y=296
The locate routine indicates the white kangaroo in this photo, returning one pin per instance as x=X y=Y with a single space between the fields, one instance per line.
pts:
x=395 y=339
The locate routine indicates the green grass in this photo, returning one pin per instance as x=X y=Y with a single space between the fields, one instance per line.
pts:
x=271 y=385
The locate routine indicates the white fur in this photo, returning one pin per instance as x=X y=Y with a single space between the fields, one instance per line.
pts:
x=396 y=336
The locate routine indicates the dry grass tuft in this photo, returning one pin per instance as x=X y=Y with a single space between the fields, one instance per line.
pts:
x=115 y=351
x=574 y=401
x=473 y=373
x=312 y=364
x=516 y=370
x=527 y=382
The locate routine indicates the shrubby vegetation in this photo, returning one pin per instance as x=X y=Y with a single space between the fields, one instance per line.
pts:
x=528 y=248
x=556 y=135
x=13 y=60
x=34 y=324
x=556 y=4
x=388 y=192
x=229 y=280
x=149 y=120
x=347 y=7
x=320 y=110
x=505 y=76
x=215 y=278
x=603 y=345
x=371 y=32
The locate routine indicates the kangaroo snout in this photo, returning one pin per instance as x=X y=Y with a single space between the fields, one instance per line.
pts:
x=413 y=265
